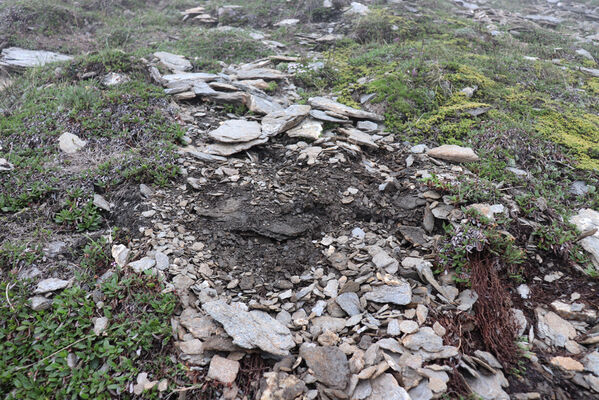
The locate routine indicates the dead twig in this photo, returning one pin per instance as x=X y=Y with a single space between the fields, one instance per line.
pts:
x=8 y=287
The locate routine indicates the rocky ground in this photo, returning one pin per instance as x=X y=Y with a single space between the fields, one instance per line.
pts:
x=283 y=238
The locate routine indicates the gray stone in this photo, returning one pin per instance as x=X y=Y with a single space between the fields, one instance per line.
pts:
x=4 y=164
x=323 y=116
x=362 y=391
x=182 y=283
x=393 y=328
x=281 y=121
x=101 y=202
x=190 y=77
x=328 y=323
x=329 y=364
x=358 y=137
x=262 y=105
x=591 y=362
x=349 y=302
x=408 y=326
x=587 y=220
x=223 y=370
x=399 y=294
x=251 y=329
x=16 y=57
x=384 y=261
x=421 y=392
x=162 y=262
x=114 y=79
x=120 y=254
x=282 y=386
x=356 y=8
x=385 y=387
x=100 y=325
x=142 y=265
x=236 y=131
x=51 y=285
x=200 y=326
x=223 y=149
x=322 y=103
x=552 y=327
x=579 y=188
x=54 y=249
x=488 y=387
x=308 y=129
x=425 y=339
x=260 y=73
x=367 y=126
x=451 y=152
x=39 y=303
x=70 y=143
x=174 y=62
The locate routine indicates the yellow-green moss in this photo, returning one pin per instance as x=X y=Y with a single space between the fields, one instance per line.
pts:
x=470 y=76
x=593 y=85
x=579 y=132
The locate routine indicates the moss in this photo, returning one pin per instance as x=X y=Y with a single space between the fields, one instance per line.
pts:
x=592 y=86
x=468 y=75
x=578 y=131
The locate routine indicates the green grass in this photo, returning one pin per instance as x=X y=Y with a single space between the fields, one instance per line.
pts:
x=35 y=345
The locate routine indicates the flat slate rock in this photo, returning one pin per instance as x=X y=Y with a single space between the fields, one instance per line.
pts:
x=358 y=137
x=251 y=329
x=308 y=129
x=190 y=76
x=323 y=116
x=385 y=387
x=451 y=152
x=228 y=149
x=400 y=294
x=173 y=62
x=281 y=121
x=329 y=364
x=260 y=73
x=322 y=103
x=236 y=131
x=587 y=220
x=17 y=57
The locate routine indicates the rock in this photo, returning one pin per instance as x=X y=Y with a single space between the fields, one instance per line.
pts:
x=385 y=387
x=5 y=165
x=356 y=8
x=584 y=53
x=143 y=384
x=182 y=283
x=200 y=326
x=488 y=358
x=114 y=79
x=418 y=149
x=70 y=143
x=236 y=131
x=260 y=73
x=323 y=116
x=394 y=328
x=567 y=364
x=222 y=149
x=488 y=387
x=162 y=262
x=54 y=249
x=191 y=347
x=308 y=129
x=575 y=311
x=100 y=325
x=384 y=261
x=39 y=303
x=362 y=391
x=454 y=153
x=358 y=137
x=425 y=339
x=329 y=364
x=587 y=220
x=120 y=254
x=367 y=126
x=579 y=188
x=414 y=235
x=101 y=202
x=288 y=22
x=488 y=210
x=223 y=370
x=326 y=322
x=142 y=265
x=174 y=62
x=51 y=285
x=281 y=386
x=408 y=326
x=466 y=300
x=358 y=233
x=421 y=392
x=400 y=294
x=281 y=121
x=262 y=105
x=349 y=302
x=322 y=103
x=251 y=329
x=524 y=291
x=552 y=327
x=16 y=57
x=590 y=71
x=591 y=362
x=189 y=77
